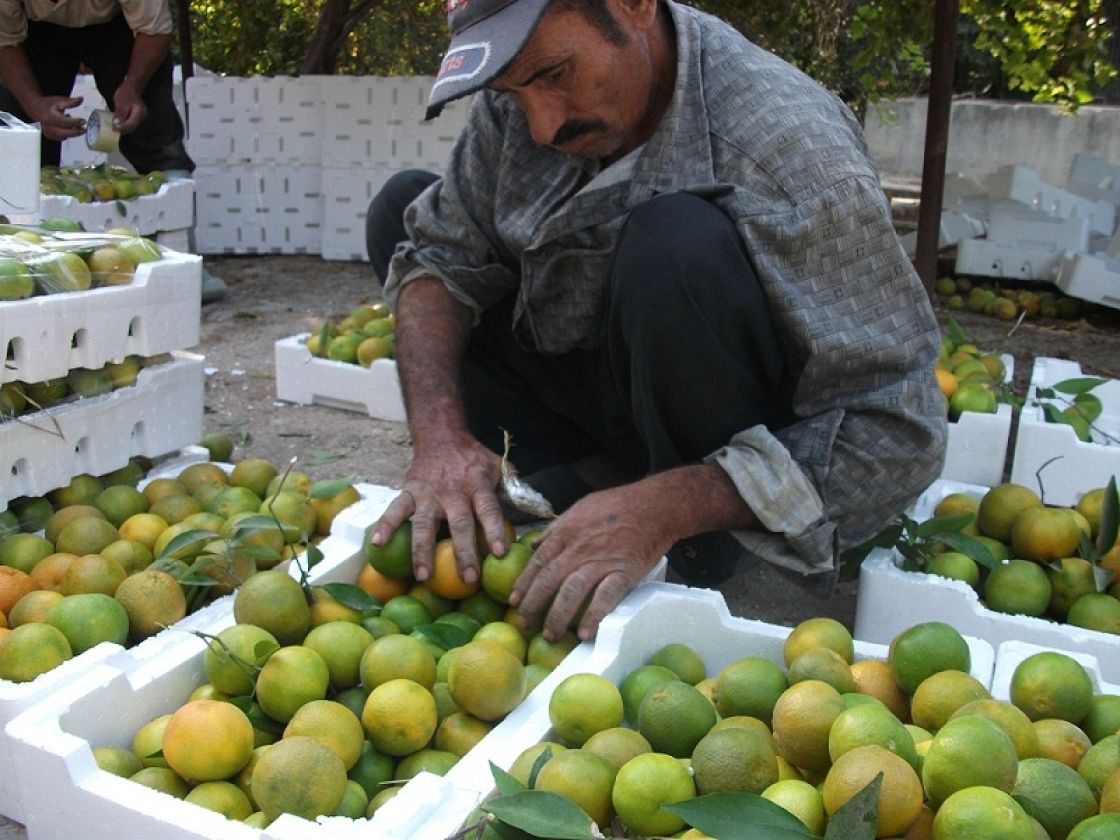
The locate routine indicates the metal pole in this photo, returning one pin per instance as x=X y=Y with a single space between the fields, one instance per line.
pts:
x=186 y=48
x=937 y=139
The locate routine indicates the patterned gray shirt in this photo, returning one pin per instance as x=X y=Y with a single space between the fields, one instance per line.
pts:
x=783 y=158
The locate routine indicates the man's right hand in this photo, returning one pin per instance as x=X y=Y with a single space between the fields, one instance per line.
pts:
x=454 y=482
x=50 y=113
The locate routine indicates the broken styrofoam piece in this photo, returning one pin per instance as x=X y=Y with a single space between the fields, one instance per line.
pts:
x=1022 y=184
x=954 y=227
x=1014 y=262
x=1094 y=178
x=1091 y=277
x=1011 y=223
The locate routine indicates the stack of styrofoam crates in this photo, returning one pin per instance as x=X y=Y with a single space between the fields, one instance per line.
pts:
x=45 y=337
x=256 y=145
x=306 y=380
x=891 y=599
x=373 y=127
x=1049 y=457
x=977 y=447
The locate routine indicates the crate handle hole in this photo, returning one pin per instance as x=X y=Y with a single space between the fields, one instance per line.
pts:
x=134 y=327
x=78 y=340
x=14 y=349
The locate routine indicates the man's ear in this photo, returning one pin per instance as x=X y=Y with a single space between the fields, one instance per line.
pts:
x=638 y=12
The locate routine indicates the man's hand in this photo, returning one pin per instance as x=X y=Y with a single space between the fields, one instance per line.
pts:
x=600 y=549
x=129 y=109
x=50 y=113
x=455 y=482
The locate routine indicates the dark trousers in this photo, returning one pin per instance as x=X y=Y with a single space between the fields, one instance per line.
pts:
x=688 y=356
x=56 y=53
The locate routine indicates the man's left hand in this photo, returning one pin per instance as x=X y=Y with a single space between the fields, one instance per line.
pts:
x=600 y=549
x=129 y=109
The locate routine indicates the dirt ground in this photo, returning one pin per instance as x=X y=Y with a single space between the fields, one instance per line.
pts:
x=273 y=297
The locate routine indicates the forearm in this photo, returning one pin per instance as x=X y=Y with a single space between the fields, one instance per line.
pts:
x=693 y=499
x=16 y=75
x=148 y=52
x=432 y=331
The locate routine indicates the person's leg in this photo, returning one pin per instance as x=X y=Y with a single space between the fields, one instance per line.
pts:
x=50 y=52
x=385 y=216
x=158 y=142
x=692 y=350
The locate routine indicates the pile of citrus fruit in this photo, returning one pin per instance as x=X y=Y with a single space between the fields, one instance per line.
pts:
x=1037 y=553
x=322 y=700
x=970 y=378
x=102 y=182
x=362 y=337
x=113 y=563
x=18 y=398
x=34 y=261
x=1006 y=303
x=956 y=762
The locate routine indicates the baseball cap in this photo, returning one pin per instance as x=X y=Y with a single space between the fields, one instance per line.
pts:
x=486 y=36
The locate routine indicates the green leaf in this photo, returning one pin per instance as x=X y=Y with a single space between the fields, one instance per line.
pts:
x=504 y=782
x=955 y=333
x=1078 y=385
x=314 y=556
x=1045 y=393
x=121 y=209
x=540 y=761
x=351 y=596
x=950 y=522
x=447 y=636
x=542 y=814
x=330 y=488
x=264 y=649
x=739 y=816
x=1088 y=406
x=270 y=556
x=256 y=522
x=967 y=545
x=323 y=457
x=1110 y=519
x=1054 y=414
x=856 y=818
x=187 y=539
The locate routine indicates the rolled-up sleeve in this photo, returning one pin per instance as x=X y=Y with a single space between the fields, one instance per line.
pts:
x=451 y=228
x=871 y=430
x=13 y=24
x=150 y=17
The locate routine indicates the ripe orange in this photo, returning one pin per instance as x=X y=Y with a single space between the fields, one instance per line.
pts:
x=446 y=580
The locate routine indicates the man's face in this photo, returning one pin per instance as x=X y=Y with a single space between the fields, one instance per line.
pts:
x=586 y=95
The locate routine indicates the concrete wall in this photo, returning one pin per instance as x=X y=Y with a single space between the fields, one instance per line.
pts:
x=985 y=135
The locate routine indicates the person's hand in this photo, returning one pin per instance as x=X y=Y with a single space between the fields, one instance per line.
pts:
x=600 y=548
x=455 y=482
x=50 y=113
x=129 y=109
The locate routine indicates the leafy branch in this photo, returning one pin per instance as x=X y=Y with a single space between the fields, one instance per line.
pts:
x=1080 y=408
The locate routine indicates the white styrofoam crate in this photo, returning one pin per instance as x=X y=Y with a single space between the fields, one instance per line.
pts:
x=652 y=615
x=1009 y=655
x=1022 y=184
x=1079 y=466
x=171 y=207
x=1011 y=223
x=952 y=228
x=379 y=121
x=159 y=414
x=258 y=209
x=1094 y=178
x=175 y=240
x=890 y=600
x=17 y=795
x=977 y=448
x=304 y=379
x=346 y=197
x=1015 y=262
x=44 y=337
x=19 y=177
x=1091 y=277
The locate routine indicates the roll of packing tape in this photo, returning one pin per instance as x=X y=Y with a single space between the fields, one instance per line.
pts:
x=100 y=134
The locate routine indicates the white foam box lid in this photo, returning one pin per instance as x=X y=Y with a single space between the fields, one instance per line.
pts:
x=1009 y=655
x=304 y=379
x=977 y=448
x=63 y=792
x=169 y=208
x=19 y=176
x=1012 y=223
x=161 y=413
x=1091 y=277
x=890 y=600
x=1024 y=185
x=1015 y=262
x=1080 y=466
x=652 y=615
x=17 y=792
x=45 y=337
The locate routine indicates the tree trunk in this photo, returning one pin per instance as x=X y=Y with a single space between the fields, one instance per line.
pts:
x=337 y=19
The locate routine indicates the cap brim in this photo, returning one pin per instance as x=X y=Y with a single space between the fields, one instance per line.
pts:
x=480 y=52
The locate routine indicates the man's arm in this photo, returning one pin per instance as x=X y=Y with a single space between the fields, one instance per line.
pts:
x=148 y=52
x=452 y=475
x=49 y=111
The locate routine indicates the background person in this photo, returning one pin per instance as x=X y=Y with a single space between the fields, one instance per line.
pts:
x=660 y=249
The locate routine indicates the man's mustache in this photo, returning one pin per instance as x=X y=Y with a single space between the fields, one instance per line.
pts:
x=574 y=128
